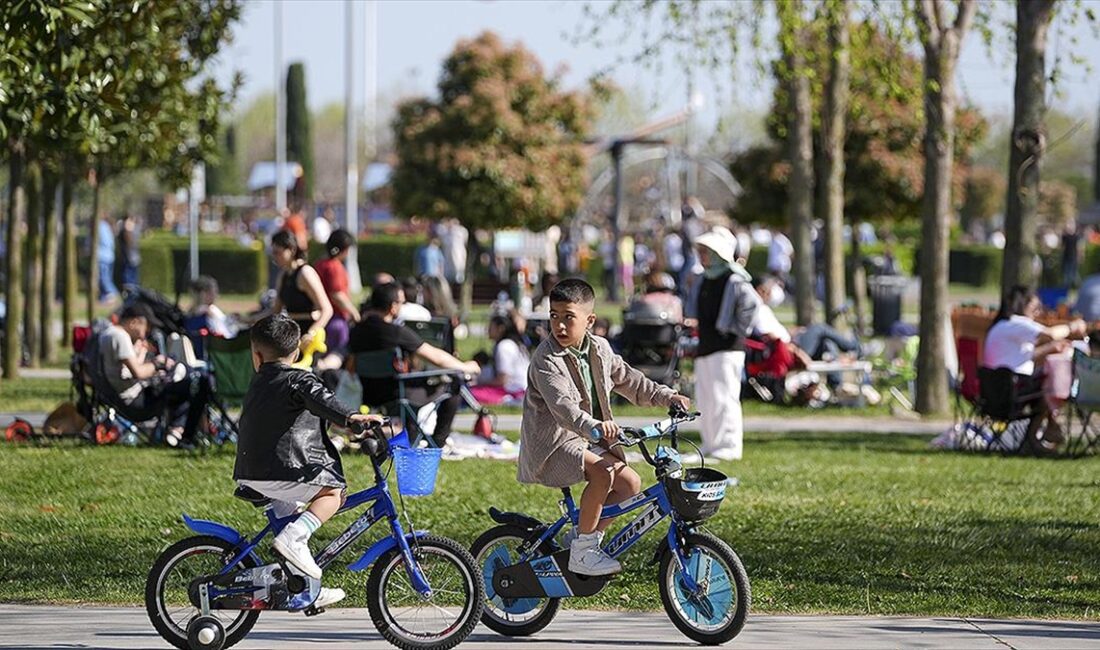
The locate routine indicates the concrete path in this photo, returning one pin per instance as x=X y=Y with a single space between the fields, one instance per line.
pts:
x=768 y=424
x=40 y=627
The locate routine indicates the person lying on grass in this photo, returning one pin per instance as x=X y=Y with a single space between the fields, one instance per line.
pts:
x=571 y=376
x=283 y=451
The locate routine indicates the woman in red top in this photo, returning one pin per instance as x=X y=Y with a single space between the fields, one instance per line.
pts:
x=334 y=278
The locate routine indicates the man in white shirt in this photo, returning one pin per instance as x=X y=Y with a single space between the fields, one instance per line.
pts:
x=780 y=252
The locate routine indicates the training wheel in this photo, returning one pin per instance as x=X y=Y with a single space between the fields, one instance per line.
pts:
x=205 y=633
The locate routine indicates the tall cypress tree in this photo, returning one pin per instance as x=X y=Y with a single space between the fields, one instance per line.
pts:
x=299 y=144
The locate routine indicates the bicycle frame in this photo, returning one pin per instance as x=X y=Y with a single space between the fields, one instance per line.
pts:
x=657 y=507
x=382 y=508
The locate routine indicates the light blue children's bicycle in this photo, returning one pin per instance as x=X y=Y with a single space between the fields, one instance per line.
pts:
x=424 y=592
x=703 y=585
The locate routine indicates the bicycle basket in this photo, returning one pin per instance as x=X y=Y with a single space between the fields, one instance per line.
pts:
x=697 y=494
x=416 y=470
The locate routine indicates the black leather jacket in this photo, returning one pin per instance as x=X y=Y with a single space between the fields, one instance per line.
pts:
x=282 y=429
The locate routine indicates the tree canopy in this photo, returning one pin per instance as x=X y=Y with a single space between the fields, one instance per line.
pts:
x=500 y=147
x=885 y=165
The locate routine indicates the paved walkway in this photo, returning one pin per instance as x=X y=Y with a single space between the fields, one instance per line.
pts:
x=40 y=627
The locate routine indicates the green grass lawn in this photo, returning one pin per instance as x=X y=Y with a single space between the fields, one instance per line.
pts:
x=32 y=395
x=853 y=524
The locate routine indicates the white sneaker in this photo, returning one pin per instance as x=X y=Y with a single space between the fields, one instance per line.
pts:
x=328 y=597
x=292 y=545
x=586 y=558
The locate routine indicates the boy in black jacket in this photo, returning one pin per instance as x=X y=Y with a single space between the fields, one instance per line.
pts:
x=283 y=451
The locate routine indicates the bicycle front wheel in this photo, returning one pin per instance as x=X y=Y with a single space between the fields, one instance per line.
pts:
x=439 y=621
x=716 y=611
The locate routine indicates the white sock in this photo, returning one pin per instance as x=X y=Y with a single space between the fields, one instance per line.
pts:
x=308 y=522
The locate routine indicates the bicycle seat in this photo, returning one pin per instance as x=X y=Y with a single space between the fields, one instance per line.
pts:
x=246 y=493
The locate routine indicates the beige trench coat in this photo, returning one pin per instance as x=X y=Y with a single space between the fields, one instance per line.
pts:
x=557 y=410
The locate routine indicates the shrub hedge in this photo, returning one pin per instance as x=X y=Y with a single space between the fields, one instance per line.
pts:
x=244 y=269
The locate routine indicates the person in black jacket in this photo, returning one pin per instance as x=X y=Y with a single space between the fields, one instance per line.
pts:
x=284 y=451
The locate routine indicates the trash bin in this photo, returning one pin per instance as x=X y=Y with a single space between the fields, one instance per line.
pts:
x=886 y=294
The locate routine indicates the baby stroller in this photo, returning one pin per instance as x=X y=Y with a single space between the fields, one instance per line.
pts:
x=651 y=342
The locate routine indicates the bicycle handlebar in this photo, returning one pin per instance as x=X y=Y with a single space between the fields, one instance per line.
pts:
x=630 y=436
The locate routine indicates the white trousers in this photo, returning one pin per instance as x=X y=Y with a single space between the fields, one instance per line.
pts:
x=718 y=392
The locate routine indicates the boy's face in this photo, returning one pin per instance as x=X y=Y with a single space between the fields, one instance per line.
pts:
x=569 y=321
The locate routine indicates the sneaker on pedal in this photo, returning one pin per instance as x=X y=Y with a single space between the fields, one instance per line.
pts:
x=292 y=546
x=586 y=558
x=328 y=596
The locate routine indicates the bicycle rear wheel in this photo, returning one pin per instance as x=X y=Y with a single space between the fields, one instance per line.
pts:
x=497 y=548
x=168 y=599
x=443 y=619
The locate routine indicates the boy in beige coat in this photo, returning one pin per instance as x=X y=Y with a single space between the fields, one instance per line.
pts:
x=567 y=406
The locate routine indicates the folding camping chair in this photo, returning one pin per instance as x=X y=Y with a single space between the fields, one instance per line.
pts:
x=230 y=364
x=437 y=331
x=392 y=364
x=1004 y=413
x=1082 y=429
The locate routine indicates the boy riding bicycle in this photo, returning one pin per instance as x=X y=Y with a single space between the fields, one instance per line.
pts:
x=283 y=451
x=570 y=380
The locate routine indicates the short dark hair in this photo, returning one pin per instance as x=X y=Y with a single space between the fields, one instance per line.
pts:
x=204 y=283
x=275 y=336
x=285 y=239
x=573 y=290
x=136 y=310
x=384 y=296
x=339 y=241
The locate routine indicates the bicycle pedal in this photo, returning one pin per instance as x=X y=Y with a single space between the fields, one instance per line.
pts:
x=313 y=611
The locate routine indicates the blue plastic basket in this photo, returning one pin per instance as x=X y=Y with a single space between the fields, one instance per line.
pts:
x=416 y=470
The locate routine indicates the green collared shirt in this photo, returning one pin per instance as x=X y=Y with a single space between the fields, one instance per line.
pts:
x=581 y=353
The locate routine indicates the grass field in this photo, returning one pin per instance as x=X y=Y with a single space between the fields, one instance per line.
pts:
x=852 y=523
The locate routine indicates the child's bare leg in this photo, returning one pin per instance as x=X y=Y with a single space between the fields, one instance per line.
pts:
x=600 y=475
x=326 y=503
x=625 y=484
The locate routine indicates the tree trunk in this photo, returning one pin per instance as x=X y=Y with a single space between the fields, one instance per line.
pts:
x=941 y=44
x=833 y=135
x=68 y=258
x=93 y=255
x=1028 y=141
x=49 y=268
x=800 y=154
x=32 y=265
x=13 y=292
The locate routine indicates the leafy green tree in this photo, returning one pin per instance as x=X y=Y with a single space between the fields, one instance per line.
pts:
x=224 y=175
x=299 y=141
x=985 y=196
x=501 y=147
x=107 y=84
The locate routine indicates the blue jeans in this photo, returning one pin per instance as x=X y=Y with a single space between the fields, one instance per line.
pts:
x=107 y=286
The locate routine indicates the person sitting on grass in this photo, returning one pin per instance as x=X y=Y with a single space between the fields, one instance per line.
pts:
x=284 y=451
x=568 y=399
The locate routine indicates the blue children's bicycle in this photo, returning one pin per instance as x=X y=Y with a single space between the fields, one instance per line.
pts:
x=205 y=592
x=703 y=585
